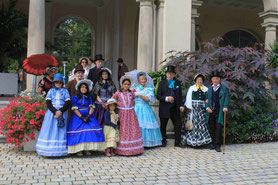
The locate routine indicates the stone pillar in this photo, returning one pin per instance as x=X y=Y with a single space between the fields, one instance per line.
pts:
x=194 y=15
x=145 y=36
x=270 y=24
x=159 y=33
x=36 y=34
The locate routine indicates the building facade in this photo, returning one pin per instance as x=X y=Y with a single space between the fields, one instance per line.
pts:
x=143 y=31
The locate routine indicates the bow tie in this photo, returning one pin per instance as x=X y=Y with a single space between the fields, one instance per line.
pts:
x=171 y=84
x=200 y=87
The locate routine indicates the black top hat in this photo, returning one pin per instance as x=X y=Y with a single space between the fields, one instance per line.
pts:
x=120 y=60
x=78 y=67
x=98 y=57
x=171 y=69
x=215 y=74
x=199 y=75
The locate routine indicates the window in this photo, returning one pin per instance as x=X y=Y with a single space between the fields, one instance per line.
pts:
x=239 y=38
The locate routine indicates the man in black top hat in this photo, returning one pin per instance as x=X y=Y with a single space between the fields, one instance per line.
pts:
x=217 y=102
x=94 y=72
x=170 y=103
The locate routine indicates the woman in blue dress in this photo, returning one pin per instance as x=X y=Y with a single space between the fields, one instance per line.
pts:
x=52 y=140
x=84 y=132
x=144 y=92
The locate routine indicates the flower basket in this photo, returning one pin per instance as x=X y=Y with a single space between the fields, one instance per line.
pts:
x=22 y=118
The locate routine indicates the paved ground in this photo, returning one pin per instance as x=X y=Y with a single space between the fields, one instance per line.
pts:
x=242 y=164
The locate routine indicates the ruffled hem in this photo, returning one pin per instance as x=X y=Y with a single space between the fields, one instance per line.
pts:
x=130 y=152
x=86 y=146
x=151 y=137
x=197 y=143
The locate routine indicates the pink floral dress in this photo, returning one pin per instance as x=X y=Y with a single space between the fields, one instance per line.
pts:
x=131 y=142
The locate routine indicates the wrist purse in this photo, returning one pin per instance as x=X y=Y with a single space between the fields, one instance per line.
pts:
x=188 y=125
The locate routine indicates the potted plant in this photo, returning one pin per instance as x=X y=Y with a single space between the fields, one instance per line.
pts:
x=21 y=120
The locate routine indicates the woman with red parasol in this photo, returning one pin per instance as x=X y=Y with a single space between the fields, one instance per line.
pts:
x=46 y=83
x=42 y=64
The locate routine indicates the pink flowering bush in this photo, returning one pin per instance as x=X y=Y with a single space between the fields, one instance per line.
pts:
x=21 y=118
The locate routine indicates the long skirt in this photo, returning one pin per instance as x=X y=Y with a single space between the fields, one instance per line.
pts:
x=200 y=134
x=111 y=136
x=84 y=135
x=99 y=114
x=148 y=124
x=131 y=142
x=52 y=140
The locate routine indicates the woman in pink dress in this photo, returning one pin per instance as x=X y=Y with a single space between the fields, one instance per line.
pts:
x=131 y=142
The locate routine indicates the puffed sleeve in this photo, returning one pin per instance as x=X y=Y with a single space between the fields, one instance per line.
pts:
x=67 y=95
x=91 y=103
x=150 y=93
x=49 y=102
x=116 y=95
x=74 y=102
x=188 y=101
x=49 y=95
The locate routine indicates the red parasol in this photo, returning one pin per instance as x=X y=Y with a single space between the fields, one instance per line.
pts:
x=36 y=64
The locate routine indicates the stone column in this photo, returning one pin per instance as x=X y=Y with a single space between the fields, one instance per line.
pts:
x=270 y=24
x=145 y=36
x=194 y=15
x=159 y=33
x=36 y=34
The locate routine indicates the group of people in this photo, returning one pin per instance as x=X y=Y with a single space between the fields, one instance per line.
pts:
x=90 y=114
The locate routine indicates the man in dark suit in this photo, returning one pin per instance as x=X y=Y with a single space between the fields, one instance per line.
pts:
x=170 y=103
x=94 y=72
x=217 y=102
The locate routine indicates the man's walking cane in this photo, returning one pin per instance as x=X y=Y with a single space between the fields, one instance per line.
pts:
x=224 y=133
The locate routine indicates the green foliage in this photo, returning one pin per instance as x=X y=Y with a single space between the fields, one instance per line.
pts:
x=72 y=41
x=273 y=60
x=245 y=71
x=253 y=125
x=157 y=76
x=13 y=34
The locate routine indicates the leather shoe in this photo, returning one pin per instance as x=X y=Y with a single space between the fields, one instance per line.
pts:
x=218 y=149
x=180 y=145
x=212 y=147
x=164 y=144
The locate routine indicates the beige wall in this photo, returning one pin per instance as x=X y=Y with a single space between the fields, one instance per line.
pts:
x=129 y=32
x=215 y=21
x=177 y=26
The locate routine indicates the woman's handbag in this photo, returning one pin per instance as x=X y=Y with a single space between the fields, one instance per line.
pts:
x=188 y=125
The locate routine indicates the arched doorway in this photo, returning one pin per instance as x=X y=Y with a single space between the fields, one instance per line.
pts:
x=72 y=40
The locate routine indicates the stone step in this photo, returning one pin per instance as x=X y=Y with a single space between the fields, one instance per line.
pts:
x=3 y=139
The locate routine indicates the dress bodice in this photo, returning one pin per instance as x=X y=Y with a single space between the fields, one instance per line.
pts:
x=58 y=97
x=124 y=98
x=105 y=94
x=146 y=91
x=198 y=95
x=81 y=103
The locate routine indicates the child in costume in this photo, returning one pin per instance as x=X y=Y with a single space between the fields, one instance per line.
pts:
x=52 y=140
x=131 y=142
x=111 y=131
x=84 y=132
